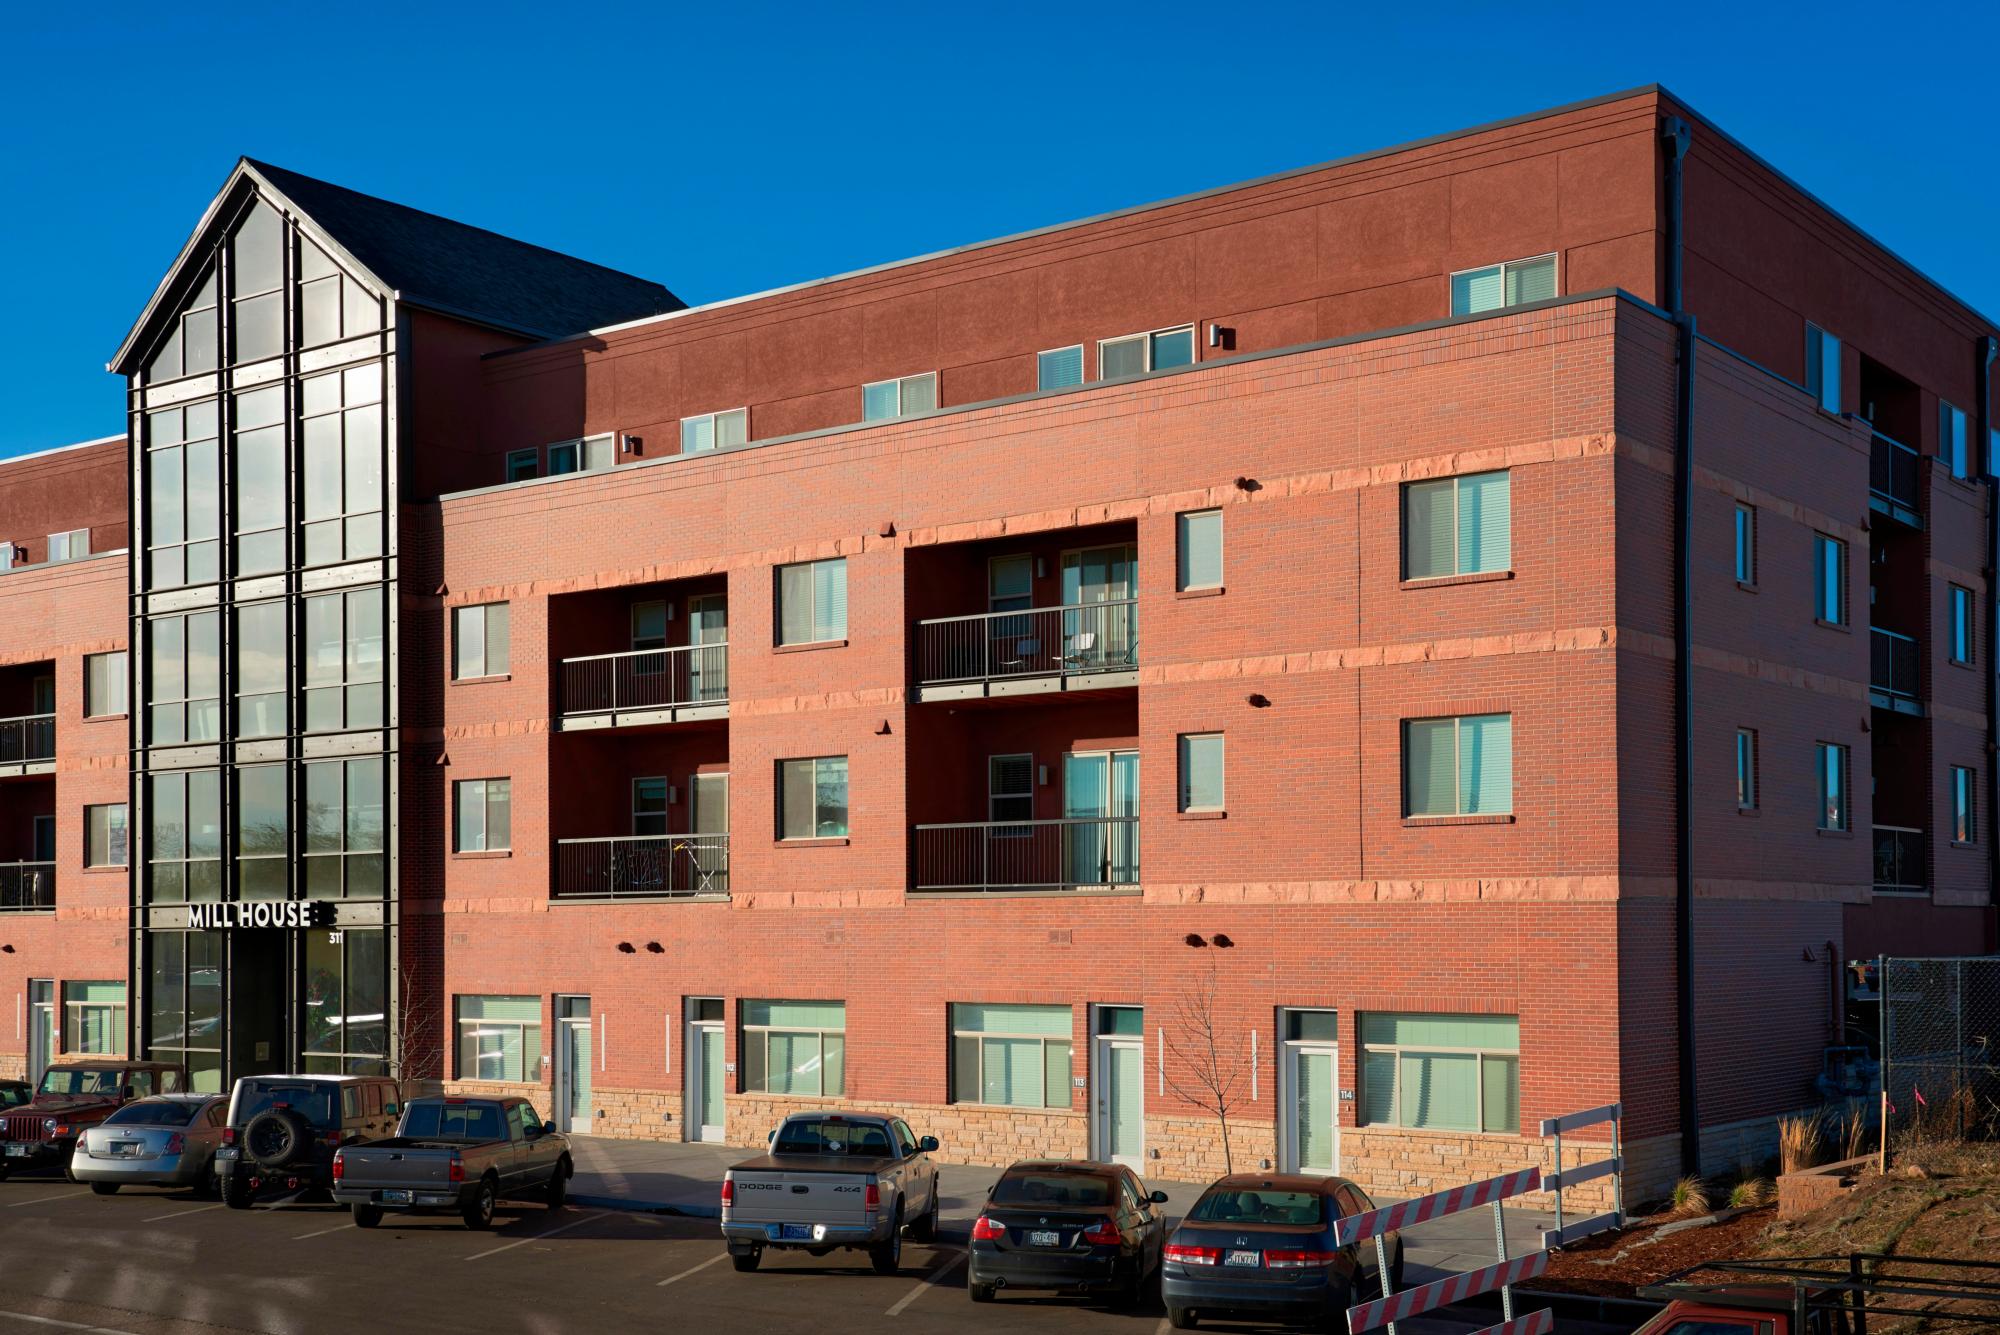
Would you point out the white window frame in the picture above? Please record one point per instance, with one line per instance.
(1479, 1079)
(74, 545)
(1221, 778)
(1081, 379)
(6, 554)
(762, 1034)
(1146, 337)
(714, 423)
(1745, 537)
(486, 667)
(115, 1021)
(979, 1037)
(531, 1067)
(1181, 529)
(901, 382)
(581, 449)
(1964, 805)
(1832, 757)
(110, 847)
(117, 682)
(1501, 267)
(533, 456)
(1746, 769)
(458, 843)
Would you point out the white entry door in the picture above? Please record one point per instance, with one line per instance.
(573, 1108)
(1310, 1075)
(41, 1027)
(707, 1076)
(1120, 1076)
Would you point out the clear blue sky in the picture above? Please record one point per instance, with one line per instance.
(721, 149)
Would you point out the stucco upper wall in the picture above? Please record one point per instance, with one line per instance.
(60, 490)
(1344, 250)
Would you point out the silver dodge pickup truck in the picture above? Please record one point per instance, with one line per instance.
(833, 1180)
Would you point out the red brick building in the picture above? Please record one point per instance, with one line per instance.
(956, 685)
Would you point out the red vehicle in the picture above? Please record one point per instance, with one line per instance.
(42, 1133)
(1824, 1295)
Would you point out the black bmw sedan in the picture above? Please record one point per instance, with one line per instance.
(1262, 1247)
(1059, 1224)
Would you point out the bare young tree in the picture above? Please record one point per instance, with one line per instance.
(419, 1040)
(1205, 1068)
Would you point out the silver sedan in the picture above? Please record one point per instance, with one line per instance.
(165, 1141)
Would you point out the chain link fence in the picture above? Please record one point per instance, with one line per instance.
(1941, 1049)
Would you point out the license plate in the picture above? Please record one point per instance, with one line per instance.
(395, 1198)
(1243, 1258)
(1045, 1238)
(795, 1231)
(17, 1151)
(127, 1147)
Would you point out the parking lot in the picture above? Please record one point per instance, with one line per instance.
(149, 1262)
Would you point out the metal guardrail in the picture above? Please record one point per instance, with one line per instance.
(1032, 642)
(645, 866)
(1899, 860)
(688, 674)
(999, 856)
(29, 737)
(27, 887)
(1893, 471)
(1893, 664)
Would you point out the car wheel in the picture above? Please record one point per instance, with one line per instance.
(1182, 1318)
(887, 1256)
(926, 1227)
(558, 1191)
(105, 1188)
(235, 1193)
(478, 1212)
(367, 1216)
(982, 1293)
(745, 1262)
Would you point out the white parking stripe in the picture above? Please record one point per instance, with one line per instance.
(61, 1325)
(1164, 1327)
(675, 1279)
(199, 1209)
(957, 1259)
(549, 1233)
(323, 1232)
(42, 1200)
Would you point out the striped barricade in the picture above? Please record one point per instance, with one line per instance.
(1444, 1292)
(1534, 1323)
(1356, 1228)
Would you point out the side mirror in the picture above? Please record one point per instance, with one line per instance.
(1158, 1198)
(928, 1145)
(770, 1137)
(548, 1128)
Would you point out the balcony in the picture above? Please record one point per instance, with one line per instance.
(1893, 481)
(1036, 856)
(644, 686)
(1899, 860)
(1032, 651)
(28, 745)
(1893, 671)
(27, 887)
(647, 866)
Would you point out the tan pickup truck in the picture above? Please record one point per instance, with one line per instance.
(833, 1180)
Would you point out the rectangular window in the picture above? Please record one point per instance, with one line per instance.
(1136, 354)
(1457, 526)
(812, 798)
(263, 832)
(1829, 579)
(812, 601)
(184, 837)
(1010, 789)
(1011, 1056)
(1746, 543)
(1830, 760)
(1199, 535)
(344, 660)
(480, 641)
(261, 677)
(1441, 1072)
(1010, 584)
(500, 1038)
(182, 509)
(592, 454)
(1746, 769)
(1201, 771)
(104, 835)
(1823, 368)
(1059, 368)
(795, 1047)
(649, 806)
(1962, 627)
(1458, 766)
(485, 815)
(1496, 286)
(340, 442)
(344, 829)
(715, 431)
(94, 1018)
(899, 398)
(1953, 447)
(523, 464)
(71, 546)
(6, 554)
(104, 684)
(184, 678)
(1964, 791)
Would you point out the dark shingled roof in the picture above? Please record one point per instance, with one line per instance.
(469, 271)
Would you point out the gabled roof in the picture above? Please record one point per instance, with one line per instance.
(436, 263)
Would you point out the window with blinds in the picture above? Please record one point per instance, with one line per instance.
(499, 1038)
(715, 431)
(795, 1047)
(812, 601)
(1059, 368)
(1514, 283)
(1458, 526)
(900, 397)
(1201, 771)
(1199, 539)
(1136, 354)
(1441, 1072)
(94, 1018)
(1010, 790)
(1013, 1056)
(812, 798)
(1460, 766)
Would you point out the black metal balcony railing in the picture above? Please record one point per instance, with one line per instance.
(30, 737)
(1892, 479)
(1899, 860)
(1893, 666)
(644, 866)
(690, 674)
(1082, 854)
(1032, 642)
(27, 887)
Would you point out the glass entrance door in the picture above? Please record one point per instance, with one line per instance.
(1312, 1061)
(573, 1064)
(708, 631)
(709, 817)
(1101, 795)
(707, 1078)
(1100, 628)
(41, 1027)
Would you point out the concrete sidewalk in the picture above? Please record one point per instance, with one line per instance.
(674, 1177)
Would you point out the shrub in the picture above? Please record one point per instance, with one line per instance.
(1800, 1140)
(1750, 1193)
(1690, 1197)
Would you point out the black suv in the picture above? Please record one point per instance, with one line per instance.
(283, 1130)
